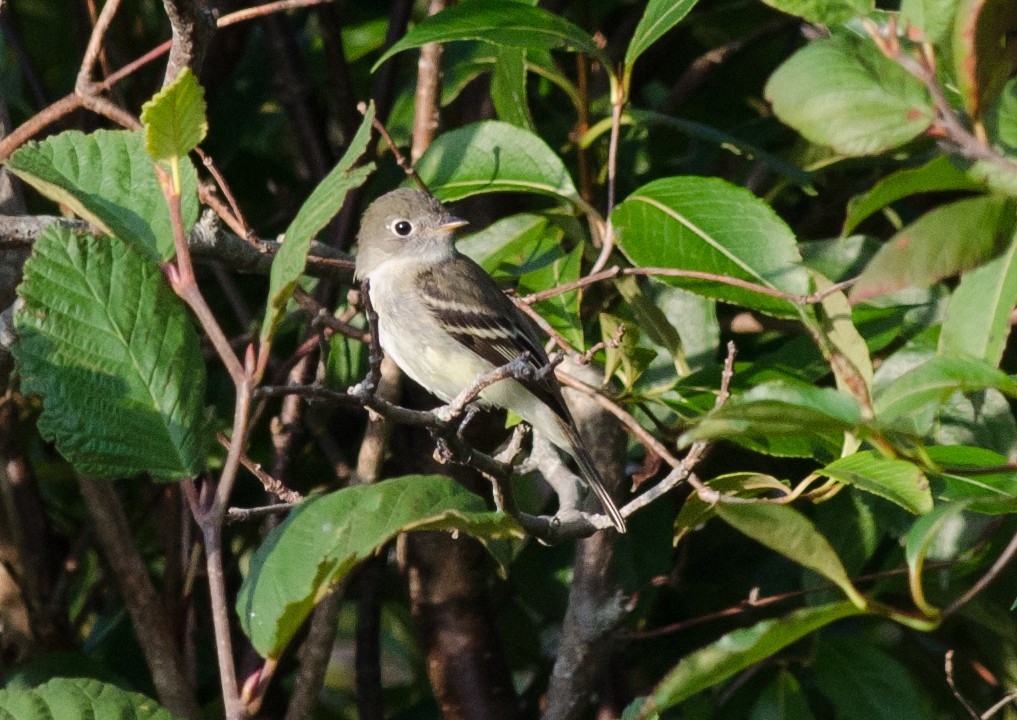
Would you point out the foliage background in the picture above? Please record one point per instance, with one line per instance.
(876, 438)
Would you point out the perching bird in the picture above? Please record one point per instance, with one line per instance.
(444, 321)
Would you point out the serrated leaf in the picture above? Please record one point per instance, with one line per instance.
(493, 156)
(737, 651)
(174, 119)
(898, 481)
(786, 531)
(911, 401)
(111, 350)
(939, 175)
(864, 683)
(326, 536)
(984, 50)
(814, 416)
(500, 22)
(943, 242)
(977, 321)
(659, 17)
(320, 207)
(108, 179)
(824, 12)
(78, 699)
(850, 97)
(708, 225)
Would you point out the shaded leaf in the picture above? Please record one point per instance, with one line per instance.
(864, 683)
(174, 118)
(939, 175)
(493, 156)
(964, 477)
(918, 541)
(984, 50)
(110, 348)
(659, 17)
(896, 480)
(78, 699)
(326, 536)
(501, 22)
(943, 242)
(107, 178)
(977, 318)
(508, 87)
(786, 531)
(783, 699)
(911, 401)
(927, 20)
(824, 12)
(738, 650)
(562, 310)
(708, 225)
(850, 97)
(322, 205)
(696, 511)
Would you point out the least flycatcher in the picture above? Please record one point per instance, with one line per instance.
(444, 321)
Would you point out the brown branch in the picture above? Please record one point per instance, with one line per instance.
(148, 615)
(192, 25)
(83, 85)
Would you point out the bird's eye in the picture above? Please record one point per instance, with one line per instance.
(403, 227)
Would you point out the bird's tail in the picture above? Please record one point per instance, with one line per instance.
(593, 478)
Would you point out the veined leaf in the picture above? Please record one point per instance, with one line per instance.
(324, 202)
(501, 22)
(659, 17)
(107, 178)
(78, 699)
(708, 225)
(942, 242)
(326, 536)
(849, 97)
(899, 481)
(738, 650)
(824, 12)
(786, 531)
(174, 118)
(493, 156)
(110, 348)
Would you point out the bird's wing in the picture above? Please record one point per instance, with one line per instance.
(488, 323)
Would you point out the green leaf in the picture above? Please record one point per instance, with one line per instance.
(850, 97)
(898, 481)
(927, 20)
(939, 175)
(695, 510)
(626, 358)
(977, 321)
(324, 202)
(659, 17)
(783, 699)
(815, 416)
(964, 478)
(108, 179)
(174, 118)
(1000, 122)
(850, 361)
(911, 401)
(708, 225)
(514, 245)
(786, 531)
(493, 156)
(561, 311)
(737, 651)
(326, 536)
(824, 12)
(508, 88)
(111, 350)
(654, 321)
(943, 242)
(984, 54)
(78, 699)
(501, 22)
(864, 683)
(919, 539)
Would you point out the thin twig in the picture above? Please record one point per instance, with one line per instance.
(400, 159)
(948, 670)
(271, 484)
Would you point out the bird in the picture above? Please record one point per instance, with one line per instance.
(444, 321)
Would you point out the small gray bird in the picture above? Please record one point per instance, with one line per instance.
(444, 321)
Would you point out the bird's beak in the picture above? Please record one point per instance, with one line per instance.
(453, 223)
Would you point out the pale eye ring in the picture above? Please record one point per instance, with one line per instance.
(402, 227)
